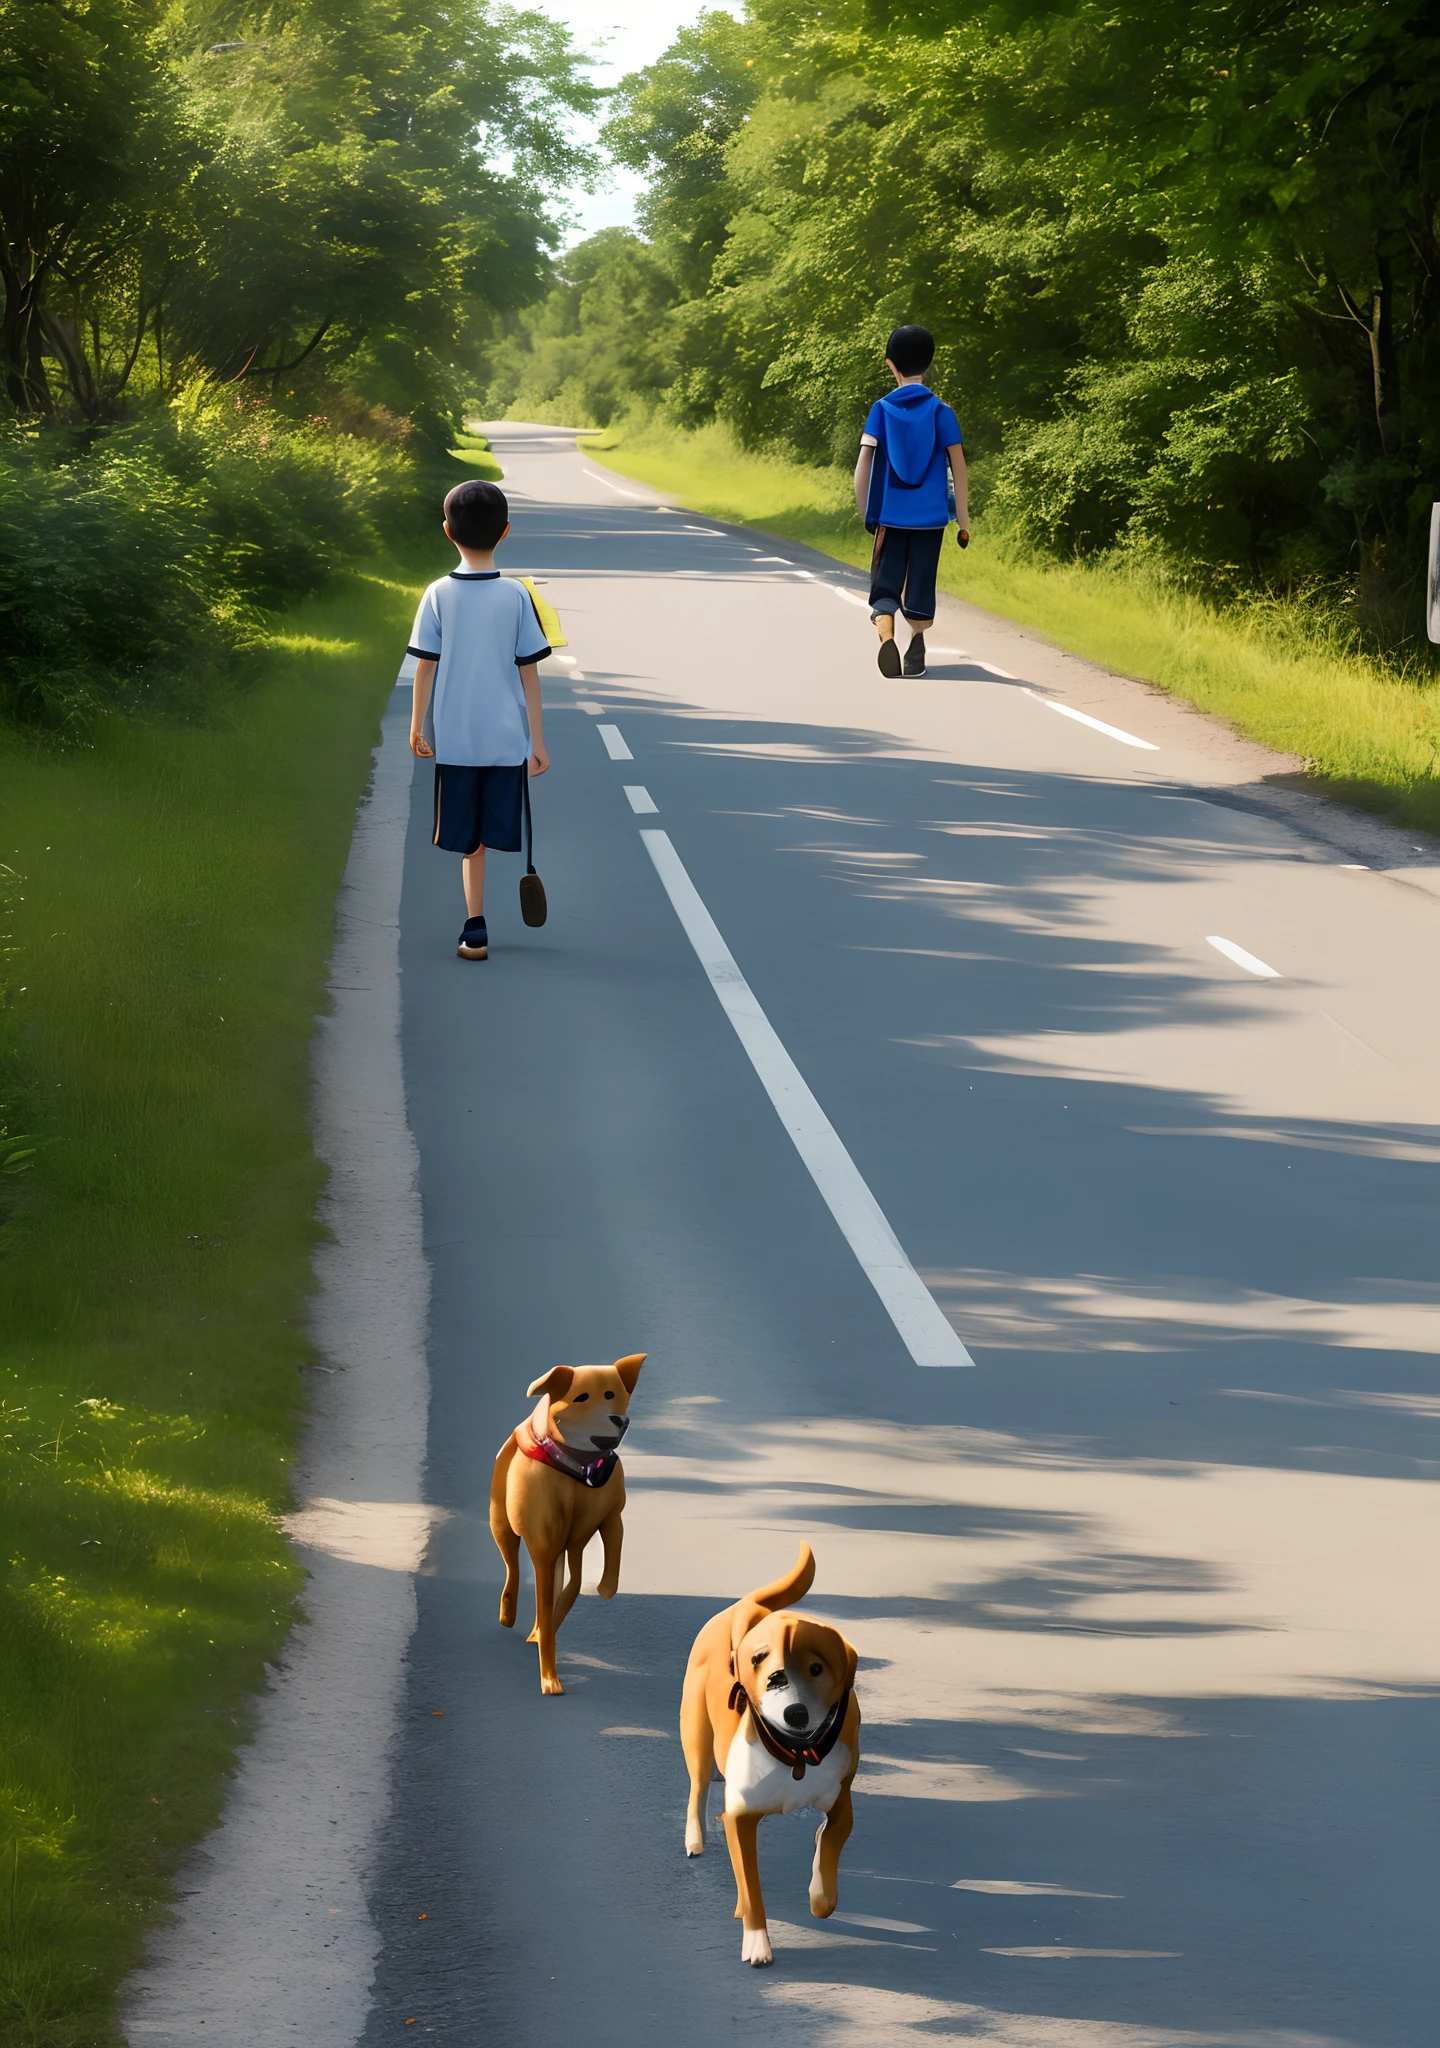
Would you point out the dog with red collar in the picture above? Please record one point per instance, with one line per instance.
(558, 1481)
(770, 1697)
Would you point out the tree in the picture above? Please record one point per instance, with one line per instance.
(90, 137)
(313, 186)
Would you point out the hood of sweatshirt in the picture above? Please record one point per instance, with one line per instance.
(910, 431)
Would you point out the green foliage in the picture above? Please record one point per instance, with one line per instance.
(674, 122)
(1286, 674)
(172, 906)
(133, 561)
(246, 263)
(1182, 264)
(299, 188)
(597, 344)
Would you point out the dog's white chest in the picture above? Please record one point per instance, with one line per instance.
(756, 1783)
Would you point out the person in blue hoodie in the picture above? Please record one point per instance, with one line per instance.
(909, 451)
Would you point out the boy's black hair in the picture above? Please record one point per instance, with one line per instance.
(911, 350)
(476, 514)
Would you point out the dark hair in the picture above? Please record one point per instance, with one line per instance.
(476, 514)
(911, 350)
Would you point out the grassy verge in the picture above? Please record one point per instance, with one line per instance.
(472, 453)
(1368, 734)
(170, 912)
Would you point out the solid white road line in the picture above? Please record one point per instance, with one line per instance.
(776, 558)
(641, 800)
(850, 596)
(1126, 739)
(1243, 959)
(615, 747)
(708, 530)
(911, 1307)
(620, 488)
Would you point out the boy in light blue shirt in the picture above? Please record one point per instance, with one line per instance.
(902, 492)
(477, 643)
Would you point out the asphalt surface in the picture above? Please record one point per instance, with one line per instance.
(1146, 1601)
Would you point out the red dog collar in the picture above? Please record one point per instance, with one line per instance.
(547, 1450)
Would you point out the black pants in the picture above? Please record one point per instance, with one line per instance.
(902, 571)
(477, 807)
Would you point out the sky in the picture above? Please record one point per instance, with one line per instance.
(634, 33)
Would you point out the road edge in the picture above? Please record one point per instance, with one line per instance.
(272, 1939)
(1267, 783)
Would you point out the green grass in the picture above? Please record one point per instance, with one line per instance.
(170, 909)
(472, 452)
(1369, 734)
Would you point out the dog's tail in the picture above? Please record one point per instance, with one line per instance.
(770, 1599)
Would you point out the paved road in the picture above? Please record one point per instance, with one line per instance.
(1146, 1600)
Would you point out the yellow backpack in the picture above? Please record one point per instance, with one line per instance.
(547, 615)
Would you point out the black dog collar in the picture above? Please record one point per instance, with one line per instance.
(797, 1750)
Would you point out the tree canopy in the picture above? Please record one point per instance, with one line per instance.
(1180, 260)
(236, 191)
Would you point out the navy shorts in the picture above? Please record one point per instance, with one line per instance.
(902, 570)
(477, 807)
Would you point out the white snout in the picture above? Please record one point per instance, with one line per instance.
(792, 1693)
(592, 1435)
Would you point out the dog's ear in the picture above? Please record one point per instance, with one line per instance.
(852, 1660)
(557, 1381)
(745, 1615)
(629, 1369)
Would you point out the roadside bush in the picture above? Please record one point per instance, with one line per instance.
(285, 503)
(135, 560)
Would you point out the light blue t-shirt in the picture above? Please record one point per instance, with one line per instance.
(909, 483)
(480, 627)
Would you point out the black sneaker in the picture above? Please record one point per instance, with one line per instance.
(888, 660)
(474, 941)
(915, 656)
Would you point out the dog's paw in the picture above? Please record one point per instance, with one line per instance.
(608, 1588)
(694, 1838)
(534, 1635)
(551, 1685)
(822, 1907)
(755, 1949)
(507, 1614)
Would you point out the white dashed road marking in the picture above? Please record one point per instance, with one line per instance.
(911, 1307)
(1126, 739)
(1243, 959)
(641, 800)
(615, 747)
(618, 488)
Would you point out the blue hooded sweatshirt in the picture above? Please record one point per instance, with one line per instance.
(909, 481)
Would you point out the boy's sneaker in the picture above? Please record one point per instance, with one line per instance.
(474, 941)
(888, 660)
(915, 656)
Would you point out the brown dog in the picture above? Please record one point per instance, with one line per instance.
(770, 1697)
(558, 1481)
